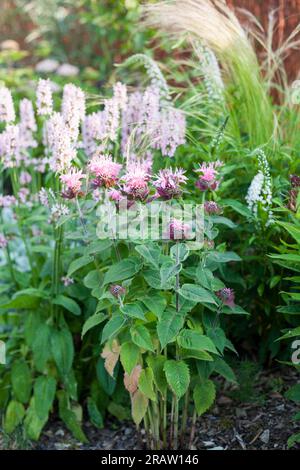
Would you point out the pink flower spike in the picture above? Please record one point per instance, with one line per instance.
(72, 181)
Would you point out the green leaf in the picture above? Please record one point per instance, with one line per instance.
(13, 416)
(218, 337)
(41, 348)
(204, 396)
(196, 294)
(178, 377)
(98, 246)
(156, 303)
(122, 270)
(292, 309)
(156, 363)
(146, 383)
(118, 411)
(21, 381)
(44, 393)
(168, 271)
(62, 350)
(291, 257)
(292, 229)
(216, 219)
(92, 279)
(294, 439)
(69, 417)
(152, 277)
(129, 356)
(222, 368)
(204, 277)
(68, 304)
(293, 393)
(133, 311)
(139, 405)
(112, 327)
(219, 257)
(291, 334)
(33, 425)
(169, 326)
(23, 302)
(190, 339)
(235, 310)
(238, 207)
(150, 253)
(107, 382)
(141, 337)
(193, 353)
(79, 263)
(179, 250)
(92, 321)
(94, 413)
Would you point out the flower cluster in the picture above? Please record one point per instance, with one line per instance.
(293, 193)
(72, 182)
(168, 183)
(7, 110)
(227, 296)
(208, 176)
(44, 100)
(178, 230)
(136, 183)
(212, 208)
(105, 170)
(146, 118)
(259, 195)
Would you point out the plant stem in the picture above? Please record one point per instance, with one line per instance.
(56, 275)
(172, 422)
(176, 420)
(177, 277)
(193, 429)
(184, 417)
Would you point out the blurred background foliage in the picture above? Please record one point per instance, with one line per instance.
(87, 33)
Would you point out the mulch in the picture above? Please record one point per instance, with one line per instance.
(264, 423)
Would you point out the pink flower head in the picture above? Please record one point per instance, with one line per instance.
(208, 176)
(72, 181)
(105, 170)
(136, 182)
(25, 178)
(115, 195)
(117, 290)
(168, 183)
(7, 201)
(211, 207)
(227, 296)
(178, 230)
(23, 195)
(3, 241)
(295, 181)
(67, 281)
